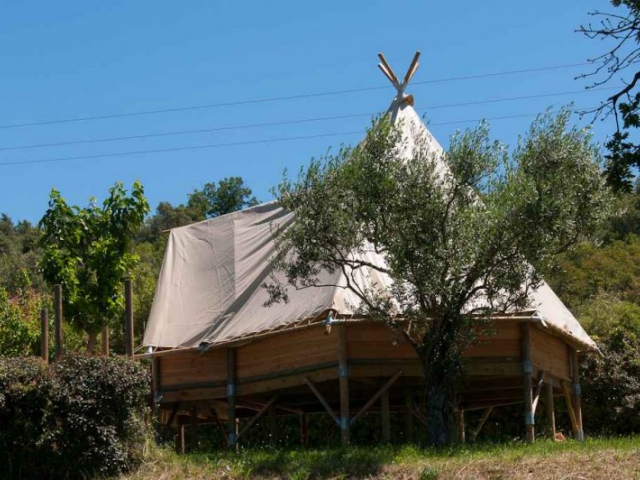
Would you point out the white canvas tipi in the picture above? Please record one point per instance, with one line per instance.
(209, 290)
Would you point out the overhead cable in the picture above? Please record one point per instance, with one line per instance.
(230, 144)
(283, 98)
(286, 122)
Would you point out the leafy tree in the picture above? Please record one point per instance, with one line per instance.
(591, 270)
(19, 325)
(621, 28)
(166, 217)
(612, 382)
(453, 259)
(228, 196)
(19, 254)
(88, 251)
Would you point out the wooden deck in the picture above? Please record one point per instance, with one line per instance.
(359, 366)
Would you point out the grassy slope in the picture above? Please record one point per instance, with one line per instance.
(596, 458)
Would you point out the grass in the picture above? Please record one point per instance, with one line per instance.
(595, 458)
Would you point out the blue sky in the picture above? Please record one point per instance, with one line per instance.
(65, 60)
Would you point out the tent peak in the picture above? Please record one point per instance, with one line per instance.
(388, 72)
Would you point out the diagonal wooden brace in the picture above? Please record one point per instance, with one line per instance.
(483, 420)
(377, 395)
(257, 416)
(322, 400)
(540, 382)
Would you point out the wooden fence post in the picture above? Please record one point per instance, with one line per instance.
(128, 317)
(156, 394)
(105, 341)
(44, 335)
(57, 305)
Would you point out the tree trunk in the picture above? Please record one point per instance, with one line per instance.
(439, 415)
(440, 355)
(91, 343)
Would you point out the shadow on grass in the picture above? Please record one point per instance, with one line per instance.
(356, 462)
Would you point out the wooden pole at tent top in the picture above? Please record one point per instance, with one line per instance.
(388, 72)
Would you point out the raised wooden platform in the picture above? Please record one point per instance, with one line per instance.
(357, 366)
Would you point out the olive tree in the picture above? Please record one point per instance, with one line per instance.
(458, 242)
(88, 251)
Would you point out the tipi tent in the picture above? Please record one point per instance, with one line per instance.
(209, 328)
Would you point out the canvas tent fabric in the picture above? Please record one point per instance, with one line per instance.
(210, 290)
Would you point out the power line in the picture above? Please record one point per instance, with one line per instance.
(289, 122)
(283, 98)
(229, 144)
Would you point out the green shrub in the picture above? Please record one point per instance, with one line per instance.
(24, 392)
(611, 386)
(84, 416)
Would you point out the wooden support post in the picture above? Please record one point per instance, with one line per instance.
(44, 335)
(343, 371)
(385, 416)
(193, 434)
(575, 393)
(462, 438)
(527, 369)
(572, 415)
(231, 399)
(483, 420)
(408, 419)
(181, 440)
(272, 423)
(551, 415)
(105, 341)
(57, 305)
(304, 428)
(156, 395)
(128, 317)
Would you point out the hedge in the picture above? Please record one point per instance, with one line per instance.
(81, 417)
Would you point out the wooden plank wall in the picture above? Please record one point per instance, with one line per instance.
(376, 341)
(502, 340)
(369, 346)
(550, 353)
(286, 352)
(193, 367)
(369, 341)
